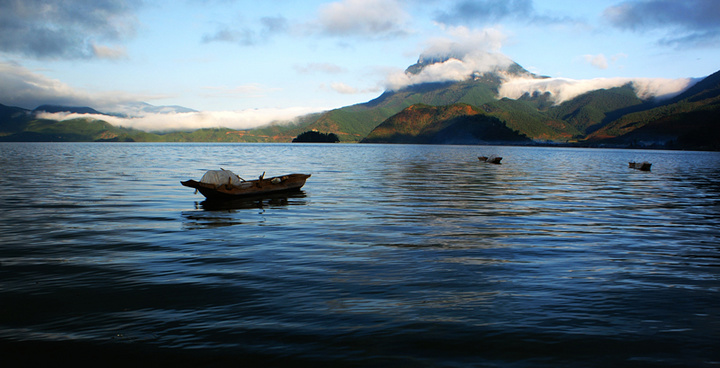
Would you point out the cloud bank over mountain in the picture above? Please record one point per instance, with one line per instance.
(24, 88)
(564, 89)
(187, 121)
(472, 53)
(560, 89)
(228, 57)
(467, 51)
(451, 70)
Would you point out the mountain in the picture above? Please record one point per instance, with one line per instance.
(354, 122)
(590, 111)
(468, 111)
(129, 109)
(73, 130)
(689, 121)
(22, 125)
(70, 109)
(707, 88)
(536, 116)
(132, 109)
(13, 119)
(603, 117)
(450, 124)
(94, 130)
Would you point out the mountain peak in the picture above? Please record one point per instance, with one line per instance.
(135, 109)
(458, 67)
(475, 63)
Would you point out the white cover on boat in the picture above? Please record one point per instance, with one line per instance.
(219, 177)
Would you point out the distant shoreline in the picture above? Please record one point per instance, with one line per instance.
(537, 144)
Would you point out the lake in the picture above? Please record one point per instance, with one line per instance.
(391, 255)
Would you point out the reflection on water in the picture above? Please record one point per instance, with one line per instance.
(218, 213)
(391, 255)
(257, 202)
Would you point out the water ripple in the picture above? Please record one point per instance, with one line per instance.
(391, 255)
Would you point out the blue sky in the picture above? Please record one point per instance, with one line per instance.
(244, 63)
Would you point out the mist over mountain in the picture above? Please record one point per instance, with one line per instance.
(137, 109)
(457, 67)
(617, 112)
(545, 109)
(127, 109)
(691, 120)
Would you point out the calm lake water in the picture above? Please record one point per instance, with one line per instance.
(391, 255)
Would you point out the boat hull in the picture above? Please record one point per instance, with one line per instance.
(644, 166)
(250, 188)
(491, 160)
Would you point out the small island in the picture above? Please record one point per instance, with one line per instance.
(313, 136)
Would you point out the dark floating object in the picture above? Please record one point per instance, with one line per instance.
(644, 166)
(225, 185)
(491, 159)
(254, 202)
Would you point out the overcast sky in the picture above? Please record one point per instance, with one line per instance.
(245, 62)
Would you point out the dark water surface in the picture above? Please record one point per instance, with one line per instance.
(392, 255)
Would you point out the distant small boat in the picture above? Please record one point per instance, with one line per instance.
(224, 185)
(644, 166)
(491, 159)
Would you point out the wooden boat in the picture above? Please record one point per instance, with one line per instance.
(491, 159)
(236, 187)
(644, 166)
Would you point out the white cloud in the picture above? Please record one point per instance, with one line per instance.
(452, 70)
(346, 89)
(343, 88)
(21, 87)
(599, 61)
(470, 51)
(375, 18)
(244, 119)
(106, 52)
(463, 40)
(563, 89)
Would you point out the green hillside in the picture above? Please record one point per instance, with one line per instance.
(591, 110)
(74, 130)
(352, 123)
(13, 119)
(525, 117)
(690, 121)
(450, 124)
